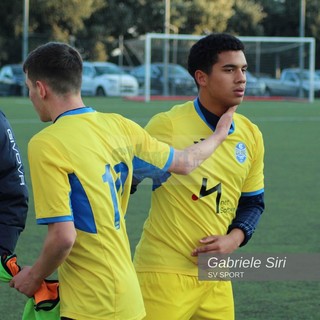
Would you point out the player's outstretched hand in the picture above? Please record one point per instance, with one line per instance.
(224, 124)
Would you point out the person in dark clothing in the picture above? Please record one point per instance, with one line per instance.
(13, 189)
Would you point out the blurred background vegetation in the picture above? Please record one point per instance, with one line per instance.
(99, 27)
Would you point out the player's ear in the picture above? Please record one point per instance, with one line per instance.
(41, 88)
(201, 78)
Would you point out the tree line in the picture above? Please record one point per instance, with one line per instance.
(95, 26)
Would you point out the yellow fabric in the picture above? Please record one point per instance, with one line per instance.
(180, 297)
(184, 209)
(81, 171)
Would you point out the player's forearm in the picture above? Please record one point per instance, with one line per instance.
(186, 160)
(57, 246)
(56, 249)
(49, 260)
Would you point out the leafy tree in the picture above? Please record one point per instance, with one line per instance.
(59, 19)
(283, 19)
(105, 26)
(275, 14)
(48, 20)
(10, 31)
(132, 18)
(247, 18)
(201, 16)
(95, 26)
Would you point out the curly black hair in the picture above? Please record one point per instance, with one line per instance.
(204, 53)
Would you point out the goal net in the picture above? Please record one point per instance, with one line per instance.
(279, 67)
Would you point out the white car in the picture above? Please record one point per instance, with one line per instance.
(107, 79)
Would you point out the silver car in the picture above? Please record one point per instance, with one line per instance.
(254, 86)
(107, 79)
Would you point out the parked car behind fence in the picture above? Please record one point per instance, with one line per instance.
(107, 79)
(254, 86)
(11, 80)
(292, 82)
(179, 80)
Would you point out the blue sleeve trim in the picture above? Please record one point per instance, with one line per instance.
(253, 193)
(169, 161)
(55, 219)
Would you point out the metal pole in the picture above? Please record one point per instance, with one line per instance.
(166, 49)
(174, 55)
(25, 46)
(312, 55)
(120, 60)
(302, 17)
(147, 50)
(301, 48)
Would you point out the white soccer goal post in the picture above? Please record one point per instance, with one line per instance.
(267, 57)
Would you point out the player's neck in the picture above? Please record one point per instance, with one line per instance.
(65, 103)
(212, 106)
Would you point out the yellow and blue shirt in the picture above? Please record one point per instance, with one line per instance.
(81, 170)
(185, 209)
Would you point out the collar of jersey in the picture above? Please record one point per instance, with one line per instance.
(208, 117)
(75, 111)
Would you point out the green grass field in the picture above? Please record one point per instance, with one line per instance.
(290, 223)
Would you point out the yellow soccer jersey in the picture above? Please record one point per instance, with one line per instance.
(185, 209)
(81, 169)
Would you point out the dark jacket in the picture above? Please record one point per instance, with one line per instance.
(13, 189)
